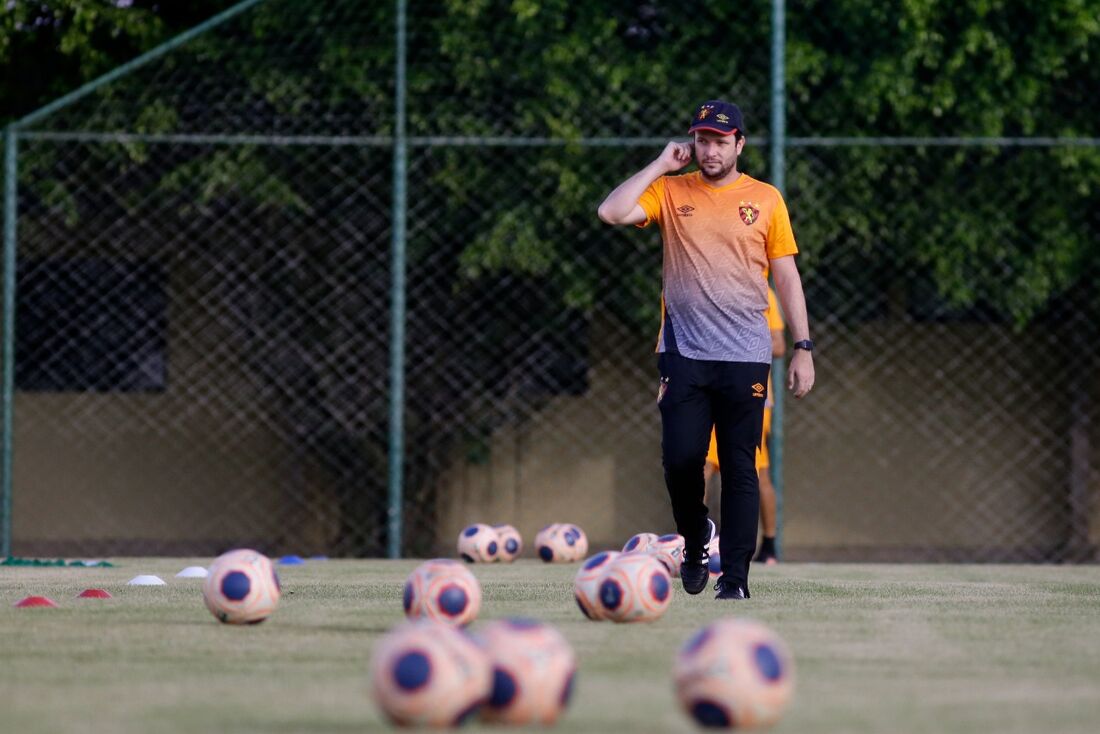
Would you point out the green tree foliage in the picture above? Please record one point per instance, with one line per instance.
(50, 47)
(1002, 226)
(1008, 228)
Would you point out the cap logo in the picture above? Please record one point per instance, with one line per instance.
(723, 118)
(704, 111)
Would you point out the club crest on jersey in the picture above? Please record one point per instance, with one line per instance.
(685, 210)
(749, 212)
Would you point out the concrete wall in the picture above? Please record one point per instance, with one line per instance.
(933, 441)
(956, 442)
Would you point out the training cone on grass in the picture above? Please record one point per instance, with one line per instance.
(94, 594)
(146, 580)
(193, 572)
(291, 561)
(35, 601)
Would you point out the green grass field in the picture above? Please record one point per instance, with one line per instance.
(879, 648)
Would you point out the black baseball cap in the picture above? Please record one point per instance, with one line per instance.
(719, 117)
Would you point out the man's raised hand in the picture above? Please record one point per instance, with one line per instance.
(675, 156)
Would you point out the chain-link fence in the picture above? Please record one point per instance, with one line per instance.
(205, 286)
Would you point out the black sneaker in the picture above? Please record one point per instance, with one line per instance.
(729, 590)
(695, 572)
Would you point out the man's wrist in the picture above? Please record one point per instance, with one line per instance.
(806, 345)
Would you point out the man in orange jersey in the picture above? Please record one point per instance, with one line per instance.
(722, 232)
(768, 519)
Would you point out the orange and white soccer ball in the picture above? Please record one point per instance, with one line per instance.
(714, 565)
(734, 673)
(576, 539)
(634, 588)
(429, 674)
(442, 590)
(669, 550)
(552, 546)
(586, 585)
(241, 587)
(639, 543)
(533, 672)
(478, 543)
(509, 543)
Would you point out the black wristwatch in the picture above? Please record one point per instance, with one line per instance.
(806, 344)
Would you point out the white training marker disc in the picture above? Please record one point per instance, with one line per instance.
(145, 581)
(193, 572)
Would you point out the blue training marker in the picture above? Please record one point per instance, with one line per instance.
(291, 561)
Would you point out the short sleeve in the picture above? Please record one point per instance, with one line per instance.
(773, 314)
(650, 201)
(780, 235)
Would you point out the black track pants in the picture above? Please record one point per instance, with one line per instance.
(695, 395)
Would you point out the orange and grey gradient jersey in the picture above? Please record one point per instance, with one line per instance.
(717, 247)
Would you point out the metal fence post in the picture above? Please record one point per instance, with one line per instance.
(778, 143)
(7, 380)
(397, 316)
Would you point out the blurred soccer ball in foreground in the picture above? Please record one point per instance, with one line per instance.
(442, 590)
(509, 543)
(478, 543)
(586, 585)
(533, 671)
(241, 587)
(635, 588)
(734, 673)
(426, 673)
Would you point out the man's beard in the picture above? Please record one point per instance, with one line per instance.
(722, 172)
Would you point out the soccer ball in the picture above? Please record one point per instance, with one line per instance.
(442, 590)
(669, 550)
(639, 543)
(715, 565)
(553, 546)
(241, 587)
(576, 540)
(425, 673)
(586, 585)
(734, 673)
(634, 588)
(510, 543)
(533, 672)
(478, 543)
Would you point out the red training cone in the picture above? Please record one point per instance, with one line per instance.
(94, 594)
(36, 601)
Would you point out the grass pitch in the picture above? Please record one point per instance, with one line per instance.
(879, 648)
